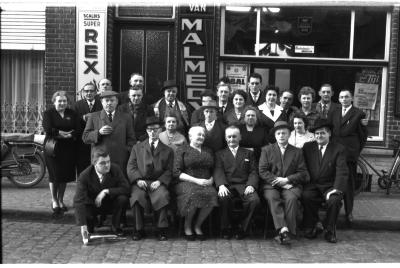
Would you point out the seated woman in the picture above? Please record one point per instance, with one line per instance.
(300, 135)
(193, 167)
(254, 134)
(235, 116)
(171, 137)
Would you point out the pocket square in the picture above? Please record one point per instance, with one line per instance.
(246, 160)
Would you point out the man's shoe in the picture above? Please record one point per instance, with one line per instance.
(240, 234)
(200, 237)
(118, 231)
(137, 235)
(225, 234)
(330, 236)
(162, 236)
(314, 232)
(191, 237)
(283, 238)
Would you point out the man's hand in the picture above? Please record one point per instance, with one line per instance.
(85, 234)
(85, 117)
(100, 197)
(329, 194)
(280, 181)
(106, 130)
(249, 190)
(142, 184)
(203, 182)
(65, 134)
(364, 122)
(154, 185)
(223, 191)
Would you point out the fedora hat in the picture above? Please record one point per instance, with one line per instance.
(280, 125)
(320, 123)
(211, 104)
(108, 93)
(153, 120)
(169, 83)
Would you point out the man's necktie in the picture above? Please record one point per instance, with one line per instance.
(343, 112)
(152, 147)
(170, 105)
(90, 106)
(320, 153)
(324, 110)
(110, 117)
(222, 109)
(272, 112)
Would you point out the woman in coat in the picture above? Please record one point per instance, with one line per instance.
(62, 124)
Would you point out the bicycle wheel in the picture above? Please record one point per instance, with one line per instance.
(361, 182)
(29, 172)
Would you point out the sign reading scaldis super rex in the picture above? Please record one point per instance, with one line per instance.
(196, 47)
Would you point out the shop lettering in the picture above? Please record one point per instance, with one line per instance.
(197, 7)
(91, 51)
(194, 64)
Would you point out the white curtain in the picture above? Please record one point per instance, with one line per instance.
(22, 90)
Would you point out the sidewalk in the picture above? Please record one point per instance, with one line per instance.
(375, 211)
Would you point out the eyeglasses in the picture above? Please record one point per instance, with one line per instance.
(89, 91)
(153, 129)
(254, 83)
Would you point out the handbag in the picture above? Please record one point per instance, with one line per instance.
(50, 147)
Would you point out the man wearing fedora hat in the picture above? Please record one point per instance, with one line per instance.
(326, 163)
(171, 104)
(283, 172)
(111, 129)
(150, 172)
(215, 128)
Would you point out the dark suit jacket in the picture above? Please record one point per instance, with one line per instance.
(333, 172)
(250, 101)
(293, 165)
(142, 165)
(119, 143)
(239, 170)
(318, 107)
(81, 107)
(88, 187)
(139, 122)
(349, 131)
(215, 139)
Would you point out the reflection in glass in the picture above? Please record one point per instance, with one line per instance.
(240, 32)
(369, 34)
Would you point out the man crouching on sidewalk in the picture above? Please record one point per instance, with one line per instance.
(101, 189)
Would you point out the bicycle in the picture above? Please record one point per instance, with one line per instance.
(386, 179)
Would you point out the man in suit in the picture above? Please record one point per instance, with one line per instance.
(101, 189)
(88, 104)
(236, 176)
(111, 129)
(326, 163)
(286, 100)
(198, 115)
(349, 129)
(283, 172)
(169, 103)
(223, 91)
(325, 105)
(215, 128)
(255, 96)
(150, 172)
(138, 110)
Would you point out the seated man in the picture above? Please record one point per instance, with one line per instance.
(283, 171)
(236, 176)
(150, 172)
(326, 162)
(101, 189)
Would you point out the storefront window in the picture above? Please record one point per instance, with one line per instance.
(240, 31)
(369, 34)
(305, 32)
(22, 88)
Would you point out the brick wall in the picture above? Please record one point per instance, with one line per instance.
(393, 123)
(110, 31)
(60, 56)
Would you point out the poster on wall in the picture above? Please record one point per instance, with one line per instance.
(237, 74)
(91, 46)
(366, 89)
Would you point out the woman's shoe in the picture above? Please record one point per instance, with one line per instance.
(191, 237)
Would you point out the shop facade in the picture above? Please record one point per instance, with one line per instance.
(290, 46)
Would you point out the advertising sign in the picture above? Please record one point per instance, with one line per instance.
(366, 89)
(91, 45)
(237, 74)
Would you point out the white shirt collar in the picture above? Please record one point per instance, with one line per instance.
(155, 143)
(100, 176)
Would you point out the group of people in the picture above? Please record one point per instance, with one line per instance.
(236, 147)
